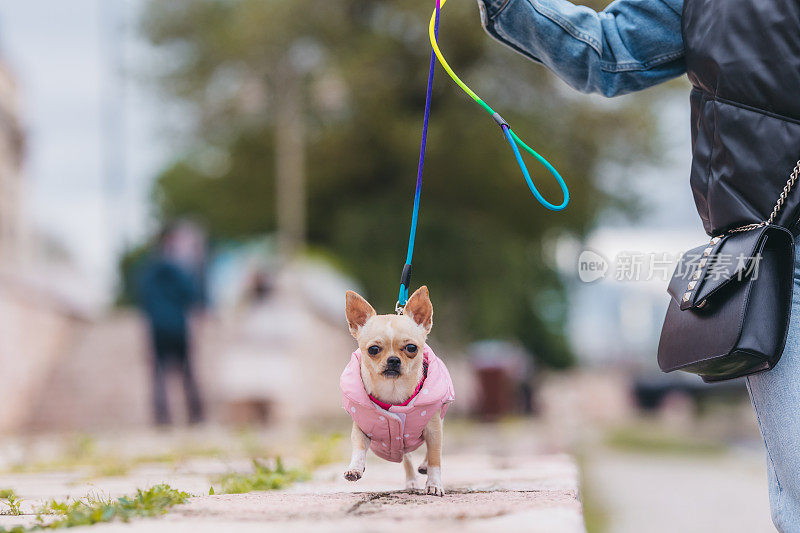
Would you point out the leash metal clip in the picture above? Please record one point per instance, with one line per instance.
(399, 308)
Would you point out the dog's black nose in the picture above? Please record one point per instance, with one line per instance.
(393, 361)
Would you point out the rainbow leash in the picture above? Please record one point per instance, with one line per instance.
(513, 140)
(405, 278)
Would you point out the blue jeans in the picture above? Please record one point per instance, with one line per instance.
(776, 399)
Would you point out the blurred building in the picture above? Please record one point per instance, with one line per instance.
(12, 146)
(36, 316)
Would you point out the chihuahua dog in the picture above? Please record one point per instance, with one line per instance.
(395, 388)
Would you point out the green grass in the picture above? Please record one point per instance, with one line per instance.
(322, 449)
(12, 501)
(94, 510)
(653, 441)
(263, 477)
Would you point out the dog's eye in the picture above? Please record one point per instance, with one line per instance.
(411, 348)
(374, 350)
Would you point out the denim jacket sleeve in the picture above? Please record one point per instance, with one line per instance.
(629, 46)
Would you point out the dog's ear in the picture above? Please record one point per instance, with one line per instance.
(420, 309)
(358, 311)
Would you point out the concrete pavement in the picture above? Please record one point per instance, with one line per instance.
(534, 494)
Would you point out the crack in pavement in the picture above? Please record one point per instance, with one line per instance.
(391, 497)
(371, 497)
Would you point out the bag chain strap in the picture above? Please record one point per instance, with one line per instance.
(698, 273)
(778, 205)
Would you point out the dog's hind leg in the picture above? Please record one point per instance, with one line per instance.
(411, 477)
(423, 466)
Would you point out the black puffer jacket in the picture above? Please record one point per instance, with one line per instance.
(743, 59)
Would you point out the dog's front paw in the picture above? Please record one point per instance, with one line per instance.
(353, 474)
(434, 485)
(434, 488)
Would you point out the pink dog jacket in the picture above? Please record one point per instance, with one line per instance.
(398, 429)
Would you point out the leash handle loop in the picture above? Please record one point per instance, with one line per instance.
(515, 142)
(513, 138)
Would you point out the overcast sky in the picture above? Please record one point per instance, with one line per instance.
(61, 54)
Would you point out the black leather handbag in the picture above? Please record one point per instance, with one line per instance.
(730, 303)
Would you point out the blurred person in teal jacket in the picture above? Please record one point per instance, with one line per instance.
(169, 290)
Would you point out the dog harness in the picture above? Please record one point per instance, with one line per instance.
(395, 430)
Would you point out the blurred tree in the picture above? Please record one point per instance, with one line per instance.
(358, 72)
